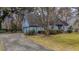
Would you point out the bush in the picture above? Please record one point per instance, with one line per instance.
(55, 31)
(60, 31)
(76, 30)
(50, 32)
(41, 32)
(14, 28)
(31, 32)
(70, 29)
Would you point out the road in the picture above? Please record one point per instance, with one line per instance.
(19, 42)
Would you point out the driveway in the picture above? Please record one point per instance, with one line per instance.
(18, 42)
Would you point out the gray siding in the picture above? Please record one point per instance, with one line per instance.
(36, 29)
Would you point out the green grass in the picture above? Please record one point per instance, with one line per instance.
(69, 39)
(58, 42)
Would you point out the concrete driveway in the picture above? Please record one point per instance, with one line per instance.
(18, 42)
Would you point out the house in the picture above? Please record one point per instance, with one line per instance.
(76, 26)
(59, 25)
(31, 22)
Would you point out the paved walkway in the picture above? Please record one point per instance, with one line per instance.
(18, 42)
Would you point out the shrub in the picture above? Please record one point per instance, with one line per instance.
(70, 29)
(41, 32)
(14, 28)
(55, 31)
(31, 32)
(76, 30)
(52, 32)
(60, 31)
(46, 32)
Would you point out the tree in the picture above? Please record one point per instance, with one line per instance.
(3, 14)
(46, 16)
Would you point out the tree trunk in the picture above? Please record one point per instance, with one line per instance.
(0, 25)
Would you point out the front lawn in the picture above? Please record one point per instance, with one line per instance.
(61, 42)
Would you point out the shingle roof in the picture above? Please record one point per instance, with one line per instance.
(35, 20)
(60, 22)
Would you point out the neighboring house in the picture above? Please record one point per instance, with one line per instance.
(60, 25)
(76, 25)
(74, 22)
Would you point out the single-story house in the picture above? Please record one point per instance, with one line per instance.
(31, 22)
